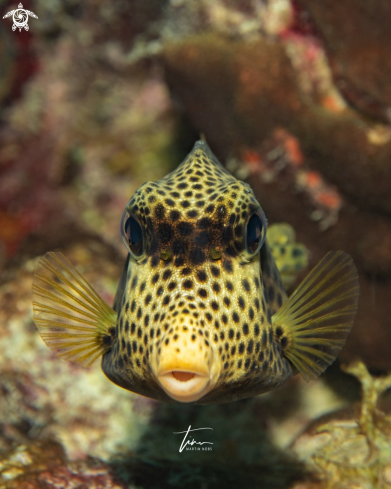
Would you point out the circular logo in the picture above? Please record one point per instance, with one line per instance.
(20, 18)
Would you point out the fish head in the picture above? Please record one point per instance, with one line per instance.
(192, 308)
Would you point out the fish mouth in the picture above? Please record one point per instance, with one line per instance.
(184, 385)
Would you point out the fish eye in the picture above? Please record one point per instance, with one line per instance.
(255, 234)
(132, 234)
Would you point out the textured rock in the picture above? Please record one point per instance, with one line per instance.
(357, 39)
(43, 465)
(351, 448)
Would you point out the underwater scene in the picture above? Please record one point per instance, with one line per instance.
(195, 244)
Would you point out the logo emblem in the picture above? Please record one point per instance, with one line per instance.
(188, 443)
(20, 18)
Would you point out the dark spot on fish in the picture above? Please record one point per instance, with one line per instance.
(175, 215)
(155, 278)
(197, 256)
(179, 261)
(201, 275)
(127, 326)
(205, 223)
(155, 261)
(202, 238)
(215, 271)
(227, 265)
(216, 287)
(279, 331)
(185, 228)
(246, 285)
(166, 274)
(187, 284)
(134, 282)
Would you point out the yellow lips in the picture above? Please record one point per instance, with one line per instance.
(183, 369)
(184, 390)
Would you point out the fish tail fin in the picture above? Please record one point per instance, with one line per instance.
(312, 326)
(73, 321)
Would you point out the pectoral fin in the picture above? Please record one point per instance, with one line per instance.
(71, 318)
(313, 324)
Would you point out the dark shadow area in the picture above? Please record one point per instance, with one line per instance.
(344, 385)
(242, 454)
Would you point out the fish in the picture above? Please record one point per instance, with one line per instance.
(290, 257)
(200, 315)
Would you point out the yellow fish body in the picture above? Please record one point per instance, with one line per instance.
(200, 315)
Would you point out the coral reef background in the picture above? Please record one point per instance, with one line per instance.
(100, 96)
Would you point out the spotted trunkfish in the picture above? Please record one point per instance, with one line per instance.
(200, 315)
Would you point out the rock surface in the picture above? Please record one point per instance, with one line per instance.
(43, 465)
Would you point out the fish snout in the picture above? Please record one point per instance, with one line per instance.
(184, 368)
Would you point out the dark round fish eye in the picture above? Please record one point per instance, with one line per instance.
(132, 234)
(254, 233)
